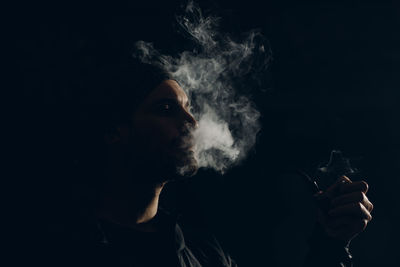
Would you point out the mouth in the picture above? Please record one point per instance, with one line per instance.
(184, 153)
(184, 144)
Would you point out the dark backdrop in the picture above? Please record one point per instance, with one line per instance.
(333, 84)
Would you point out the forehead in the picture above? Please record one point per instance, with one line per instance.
(167, 89)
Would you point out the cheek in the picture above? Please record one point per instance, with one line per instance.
(156, 133)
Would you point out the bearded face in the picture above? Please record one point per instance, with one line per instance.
(161, 140)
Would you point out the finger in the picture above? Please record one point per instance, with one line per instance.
(332, 190)
(349, 225)
(354, 186)
(353, 198)
(335, 223)
(346, 230)
(352, 209)
(345, 179)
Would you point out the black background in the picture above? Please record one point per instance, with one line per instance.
(333, 84)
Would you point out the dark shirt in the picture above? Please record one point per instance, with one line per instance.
(100, 243)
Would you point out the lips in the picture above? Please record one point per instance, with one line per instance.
(184, 143)
(184, 151)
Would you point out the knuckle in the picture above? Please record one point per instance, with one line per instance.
(371, 206)
(364, 185)
(368, 216)
(361, 197)
(363, 224)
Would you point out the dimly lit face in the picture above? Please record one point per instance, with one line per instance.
(162, 127)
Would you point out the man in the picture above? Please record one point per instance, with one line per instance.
(147, 135)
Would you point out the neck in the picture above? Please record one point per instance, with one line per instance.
(133, 207)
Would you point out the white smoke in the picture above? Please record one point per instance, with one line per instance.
(228, 122)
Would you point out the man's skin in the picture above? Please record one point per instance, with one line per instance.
(350, 210)
(144, 155)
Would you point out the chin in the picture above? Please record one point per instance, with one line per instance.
(187, 170)
(186, 166)
(172, 166)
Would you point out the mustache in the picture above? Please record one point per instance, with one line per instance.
(184, 140)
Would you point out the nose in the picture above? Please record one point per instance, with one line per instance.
(189, 120)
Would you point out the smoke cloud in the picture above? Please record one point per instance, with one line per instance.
(211, 74)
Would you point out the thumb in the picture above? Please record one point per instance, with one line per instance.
(333, 189)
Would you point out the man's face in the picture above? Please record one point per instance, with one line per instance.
(162, 127)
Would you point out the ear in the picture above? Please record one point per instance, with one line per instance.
(117, 134)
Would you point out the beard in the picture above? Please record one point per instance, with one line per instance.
(161, 166)
(183, 149)
(186, 164)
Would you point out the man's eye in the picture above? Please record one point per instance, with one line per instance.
(167, 108)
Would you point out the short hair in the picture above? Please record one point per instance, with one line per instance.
(125, 84)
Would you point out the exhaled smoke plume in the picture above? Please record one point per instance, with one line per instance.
(228, 122)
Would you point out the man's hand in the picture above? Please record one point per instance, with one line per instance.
(349, 210)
